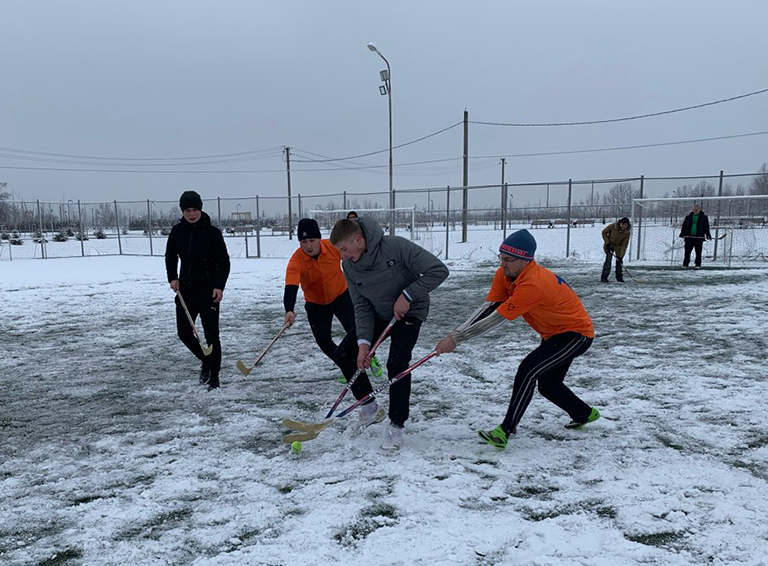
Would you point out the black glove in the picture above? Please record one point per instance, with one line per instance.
(619, 260)
(609, 249)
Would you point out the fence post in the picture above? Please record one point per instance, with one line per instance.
(258, 229)
(344, 205)
(504, 192)
(640, 217)
(717, 220)
(298, 201)
(43, 255)
(568, 219)
(117, 225)
(392, 214)
(82, 232)
(447, 213)
(149, 227)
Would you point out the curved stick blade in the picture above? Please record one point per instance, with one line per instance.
(245, 370)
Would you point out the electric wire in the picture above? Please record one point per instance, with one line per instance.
(270, 150)
(624, 119)
(374, 167)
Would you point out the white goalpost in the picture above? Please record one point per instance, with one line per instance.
(404, 217)
(738, 225)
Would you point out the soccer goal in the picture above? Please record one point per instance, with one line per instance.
(404, 218)
(738, 225)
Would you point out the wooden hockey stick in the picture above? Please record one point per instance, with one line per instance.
(246, 370)
(206, 348)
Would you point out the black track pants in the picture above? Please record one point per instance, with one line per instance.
(320, 319)
(402, 339)
(548, 365)
(209, 316)
(693, 244)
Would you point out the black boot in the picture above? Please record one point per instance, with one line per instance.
(213, 383)
(620, 279)
(205, 374)
(604, 280)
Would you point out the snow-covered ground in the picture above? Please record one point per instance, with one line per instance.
(111, 453)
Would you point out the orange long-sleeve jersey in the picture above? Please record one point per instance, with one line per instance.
(543, 299)
(321, 279)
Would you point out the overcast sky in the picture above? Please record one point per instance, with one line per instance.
(167, 79)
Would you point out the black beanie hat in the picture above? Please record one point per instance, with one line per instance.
(190, 199)
(308, 229)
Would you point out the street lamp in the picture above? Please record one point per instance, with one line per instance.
(386, 88)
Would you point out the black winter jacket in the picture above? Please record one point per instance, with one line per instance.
(702, 226)
(203, 254)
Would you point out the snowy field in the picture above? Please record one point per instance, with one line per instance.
(111, 454)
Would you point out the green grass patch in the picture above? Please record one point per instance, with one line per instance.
(62, 557)
(659, 540)
(370, 519)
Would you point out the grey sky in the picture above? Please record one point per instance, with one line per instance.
(152, 79)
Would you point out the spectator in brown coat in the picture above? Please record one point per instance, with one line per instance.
(615, 244)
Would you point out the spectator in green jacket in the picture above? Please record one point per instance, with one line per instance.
(615, 243)
(694, 230)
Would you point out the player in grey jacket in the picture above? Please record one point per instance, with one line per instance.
(388, 276)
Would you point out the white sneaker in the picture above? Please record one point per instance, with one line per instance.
(394, 440)
(370, 414)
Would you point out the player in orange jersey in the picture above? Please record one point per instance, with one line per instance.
(521, 287)
(316, 266)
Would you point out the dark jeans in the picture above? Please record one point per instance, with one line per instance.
(692, 243)
(209, 316)
(548, 365)
(320, 319)
(607, 268)
(402, 339)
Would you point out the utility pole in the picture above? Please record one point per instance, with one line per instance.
(288, 172)
(465, 204)
(639, 219)
(503, 198)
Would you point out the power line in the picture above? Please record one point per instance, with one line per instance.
(372, 167)
(624, 147)
(625, 119)
(379, 151)
(97, 163)
(275, 150)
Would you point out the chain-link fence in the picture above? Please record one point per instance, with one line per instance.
(439, 218)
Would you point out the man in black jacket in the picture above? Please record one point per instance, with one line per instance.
(201, 281)
(695, 229)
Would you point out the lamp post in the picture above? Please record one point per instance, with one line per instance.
(387, 89)
(69, 202)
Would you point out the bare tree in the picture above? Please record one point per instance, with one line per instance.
(759, 185)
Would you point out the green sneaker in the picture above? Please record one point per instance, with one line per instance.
(376, 367)
(593, 416)
(496, 437)
(341, 379)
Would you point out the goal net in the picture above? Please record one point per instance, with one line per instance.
(404, 218)
(738, 225)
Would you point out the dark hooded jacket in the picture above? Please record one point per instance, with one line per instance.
(702, 226)
(390, 265)
(203, 254)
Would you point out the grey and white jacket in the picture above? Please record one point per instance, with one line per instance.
(390, 265)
